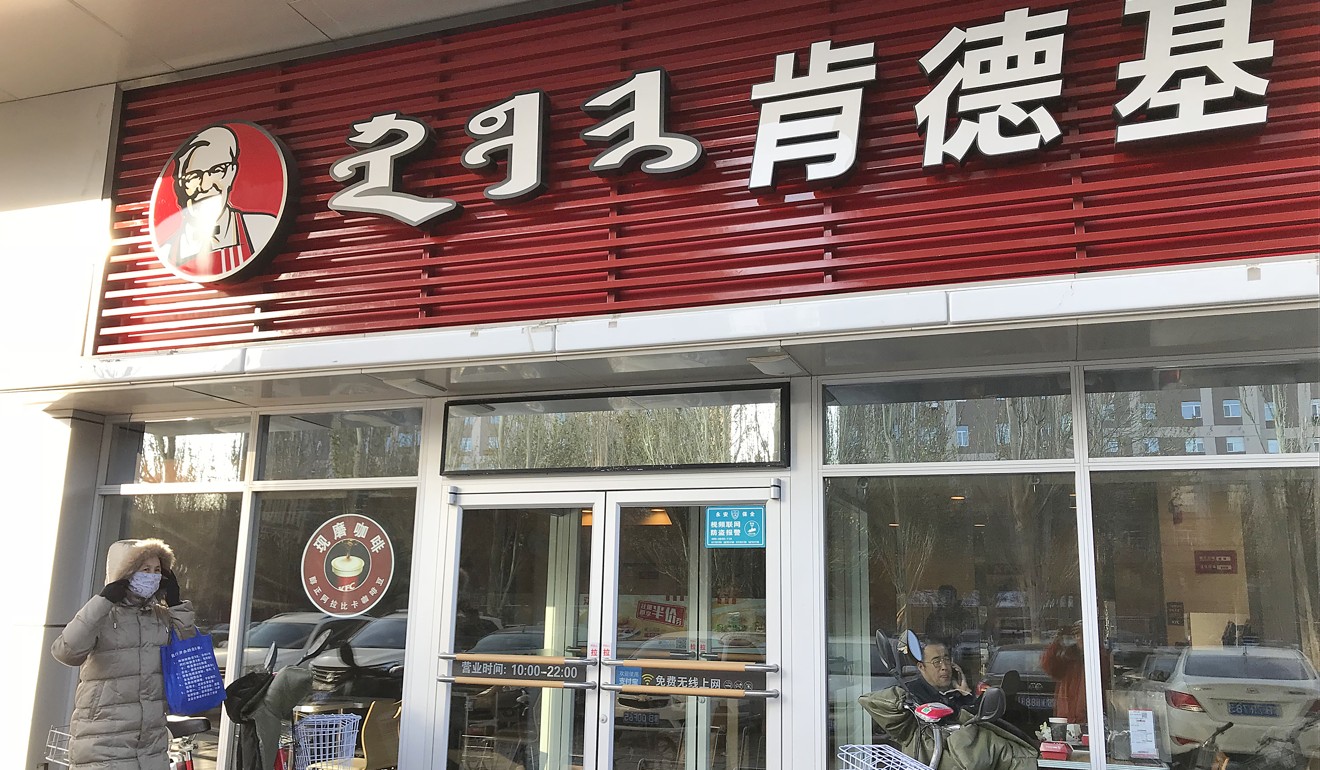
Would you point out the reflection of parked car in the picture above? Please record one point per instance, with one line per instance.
(1154, 670)
(1036, 693)
(1258, 689)
(294, 635)
(219, 634)
(377, 649)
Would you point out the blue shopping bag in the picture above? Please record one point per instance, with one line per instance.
(193, 684)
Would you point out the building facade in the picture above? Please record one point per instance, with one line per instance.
(608, 378)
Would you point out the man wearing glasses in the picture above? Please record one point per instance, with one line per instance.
(942, 681)
(215, 238)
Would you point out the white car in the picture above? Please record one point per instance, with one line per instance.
(1261, 690)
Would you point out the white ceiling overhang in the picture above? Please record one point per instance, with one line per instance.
(49, 46)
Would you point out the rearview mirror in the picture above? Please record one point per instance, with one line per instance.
(885, 653)
(913, 645)
(319, 641)
(991, 705)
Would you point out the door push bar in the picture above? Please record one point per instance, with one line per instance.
(693, 665)
(708, 692)
(552, 684)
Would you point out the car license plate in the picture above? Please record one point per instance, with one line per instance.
(1239, 709)
(645, 718)
(1037, 702)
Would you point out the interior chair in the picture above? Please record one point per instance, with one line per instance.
(380, 740)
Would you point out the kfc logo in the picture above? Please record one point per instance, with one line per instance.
(222, 203)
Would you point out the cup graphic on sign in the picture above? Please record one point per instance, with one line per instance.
(349, 566)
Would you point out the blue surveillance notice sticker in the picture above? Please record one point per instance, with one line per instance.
(740, 526)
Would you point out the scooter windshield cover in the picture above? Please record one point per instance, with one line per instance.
(933, 712)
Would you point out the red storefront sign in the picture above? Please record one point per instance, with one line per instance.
(1062, 192)
(1216, 562)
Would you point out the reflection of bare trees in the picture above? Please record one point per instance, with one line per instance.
(167, 458)
(662, 548)
(203, 531)
(654, 436)
(902, 554)
(1046, 554)
(1280, 507)
(900, 432)
(1280, 405)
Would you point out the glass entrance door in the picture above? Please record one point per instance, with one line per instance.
(629, 629)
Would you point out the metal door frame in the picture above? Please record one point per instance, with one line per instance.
(606, 502)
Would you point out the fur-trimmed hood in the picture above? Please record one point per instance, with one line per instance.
(127, 556)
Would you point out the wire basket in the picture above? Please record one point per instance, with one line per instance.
(877, 758)
(326, 741)
(57, 746)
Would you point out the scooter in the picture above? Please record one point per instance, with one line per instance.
(1207, 755)
(1278, 752)
(928, 730)
(182, 730)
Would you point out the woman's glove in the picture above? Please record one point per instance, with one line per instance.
(170, 585)
(116, 591)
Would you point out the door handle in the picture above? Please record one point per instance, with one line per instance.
(693, 665)
(550, 684)
(705, 692)
(550, 660)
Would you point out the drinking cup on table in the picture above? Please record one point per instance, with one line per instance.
(1074, 732)
(1058, 728)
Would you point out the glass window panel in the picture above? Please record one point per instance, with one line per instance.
(341, 445)
(1210, 608)
(986, 564)
(1261, 406)
(178, 451)
(731, 427)
(353, 570)
(1017, 418)
(522, 590)
(202, 529)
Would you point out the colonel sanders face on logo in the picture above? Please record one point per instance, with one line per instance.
(219, 202)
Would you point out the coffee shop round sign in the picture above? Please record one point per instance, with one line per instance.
(347, 565)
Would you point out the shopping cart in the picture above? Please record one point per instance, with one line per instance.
(57, 746)
(325, 741)
(877, 758)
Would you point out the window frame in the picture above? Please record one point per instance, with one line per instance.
(1083, 464)
(248, 487)
(785, 431)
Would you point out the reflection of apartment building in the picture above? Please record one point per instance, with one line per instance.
(1211, 421)
(478, 439)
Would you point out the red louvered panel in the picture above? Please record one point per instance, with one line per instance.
(592, 244)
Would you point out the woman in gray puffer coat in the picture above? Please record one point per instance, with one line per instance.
(118, 718)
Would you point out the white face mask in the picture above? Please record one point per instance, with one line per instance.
(144, 584)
